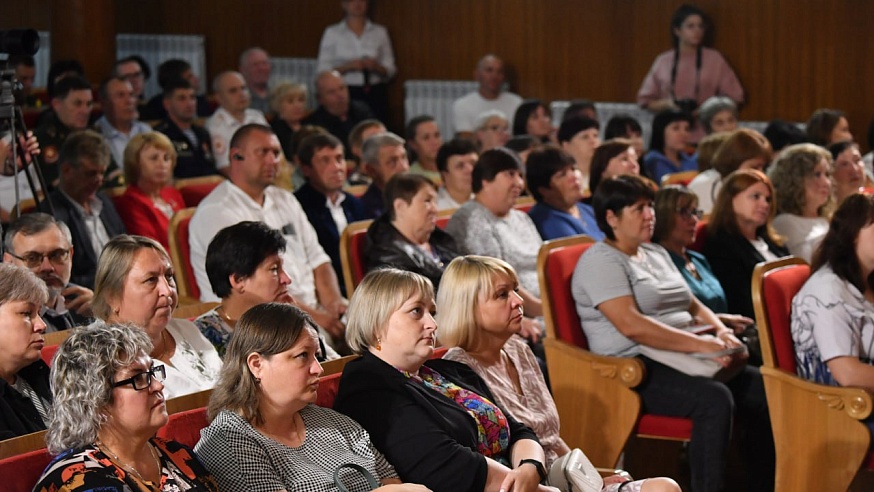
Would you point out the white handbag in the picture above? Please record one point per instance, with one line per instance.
(573, 472)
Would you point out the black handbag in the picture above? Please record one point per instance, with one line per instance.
(367, 476)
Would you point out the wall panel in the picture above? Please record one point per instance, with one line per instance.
(792, 55)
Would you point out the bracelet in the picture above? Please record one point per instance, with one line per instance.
(538, 465)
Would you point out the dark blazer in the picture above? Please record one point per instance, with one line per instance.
(18, 416)
(193, 159)
(358, 112)
(733, 259)
(313, 203)
(374, 203)
(430, 439)
(387, 246)
(84, 257)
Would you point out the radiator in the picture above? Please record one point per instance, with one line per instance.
(301, 70)
(434, 98)
(156, 49)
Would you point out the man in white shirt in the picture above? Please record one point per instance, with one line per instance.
(250, 195)
(120, 120)
(255, 67)
(233, 112)
(489, 73)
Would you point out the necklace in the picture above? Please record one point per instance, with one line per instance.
(224, 314)
(128, 467)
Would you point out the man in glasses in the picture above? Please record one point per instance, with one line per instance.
(42, 244)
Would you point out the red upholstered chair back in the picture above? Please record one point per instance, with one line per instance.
(700, 236)
(328, 388)
(180, 253)
(352, 244)
(558, 259)
(19, 473)
(48, 353)
(193, 190)
(185, 426)
(775, 283)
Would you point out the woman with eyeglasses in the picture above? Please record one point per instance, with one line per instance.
(677, 217)
(25, 396)
(109, 403)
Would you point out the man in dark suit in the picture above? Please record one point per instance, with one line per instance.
(90, 215)
(328, 208)
(44, 245)
(191, 141)
(337, 113)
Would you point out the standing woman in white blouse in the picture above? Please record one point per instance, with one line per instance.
(361, 51)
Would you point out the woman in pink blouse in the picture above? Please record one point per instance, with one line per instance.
(479, 317)
(150, 200)
(687, 75)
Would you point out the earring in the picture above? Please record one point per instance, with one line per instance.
(378, 344)
(257, 380)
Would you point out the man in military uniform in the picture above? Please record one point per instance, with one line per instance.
(193, 150)
(71, 105)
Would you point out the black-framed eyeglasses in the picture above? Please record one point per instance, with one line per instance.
(689, 212)
(33, 259)
(143, 380)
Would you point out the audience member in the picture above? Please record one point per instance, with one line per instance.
(290, 175)
(832, 311)
(360, 50)
(489, 225)
(676, 220)
(579, 137)
(30, 240)
(265, 431)
(455, 161)
(490, 94)
(361, 132)
(869, 157)
(106, 413)
(740, 235)
(135, 285)
(803, 192)
(336, 112)
(742, 149)
(827, 126)
(169, 73)
(534, 118)
(522, 145)
(612, 158)
(689, 74)
(24, 67)
(244, 265)
(383, 156)
(25, 395)
(554, 182)
(150, 200)
(405, 236)
(288, 101)
(848, 170)
(580, 108)
(91, 216)
(249, 194)
(120, 120)
(328, 208)
(423, 137)
(479, 317)
(668, 144)
(59, 70)
(630, 295)
(435, 420)
(492, 129)
(233, 113)
(255, 68)
(718, 114)
(70, 110)
(190, 140)
(781, 134)
(706, 150)
(136, 72)
(625, 126)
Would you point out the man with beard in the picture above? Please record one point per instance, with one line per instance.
(44, 245)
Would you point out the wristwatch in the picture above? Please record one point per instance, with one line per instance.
(540, 469)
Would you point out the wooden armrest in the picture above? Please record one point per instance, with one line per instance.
(596, 403)
(819, 439)
(22, 444)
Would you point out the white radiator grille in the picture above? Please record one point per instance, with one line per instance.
(156, 49)
(301, 70)
(434, 98)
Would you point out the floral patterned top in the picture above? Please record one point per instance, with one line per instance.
(491, 423)
(195, 365)
(215, 329)
(90, 469)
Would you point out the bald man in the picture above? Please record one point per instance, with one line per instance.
(233, 112)
(255, 67)
(490, 95)
(337, 113)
